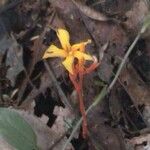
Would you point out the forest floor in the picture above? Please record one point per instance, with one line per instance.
(121, 121)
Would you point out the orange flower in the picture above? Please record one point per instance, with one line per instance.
(68, 52)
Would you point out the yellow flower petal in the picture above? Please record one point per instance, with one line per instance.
(80, 46)
(64, 38)
(81, 55)
(68, 63)
(54, 51)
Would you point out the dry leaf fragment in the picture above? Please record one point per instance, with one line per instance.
(46, 137)
(14, 57)
(138, 142)
(136, 15)
(134, 86)
(90, 12)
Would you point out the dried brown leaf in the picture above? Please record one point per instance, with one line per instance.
(138, 142)
(14, 57)
(135, 87)
(136, 15)
(46, 137)
(102, 135)
(89, 12)
(3, 2)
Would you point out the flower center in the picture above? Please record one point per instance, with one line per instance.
(71, 53)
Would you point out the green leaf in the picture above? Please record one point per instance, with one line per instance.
(16, 131)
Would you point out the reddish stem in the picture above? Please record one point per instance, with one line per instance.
(77, 80)
(78, 84)
(91, 68)
(82, 107)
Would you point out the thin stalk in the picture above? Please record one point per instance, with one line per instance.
(82, 107)
(78, 85)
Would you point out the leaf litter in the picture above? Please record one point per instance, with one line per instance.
(112, 26)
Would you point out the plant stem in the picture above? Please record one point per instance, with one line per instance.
(82, 107)
(82, 110)
(77, 81)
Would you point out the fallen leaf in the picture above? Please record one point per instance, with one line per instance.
(48, 137)
(14, 58)
(135, 87)
(89, 12)
(135, 16)
(103, 136)
(141, 142)
(3, 2)
(64, 116)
